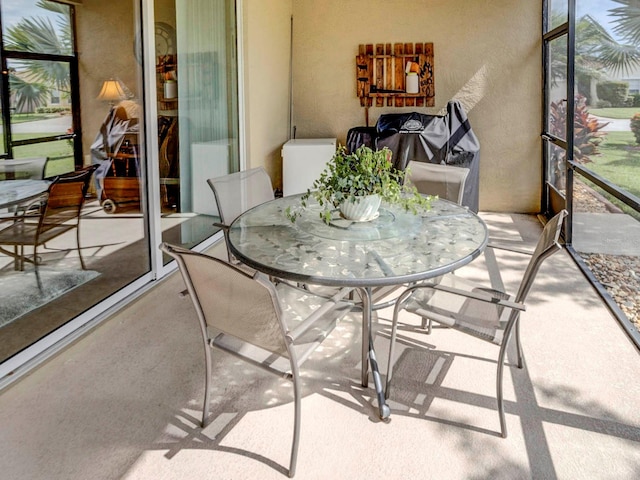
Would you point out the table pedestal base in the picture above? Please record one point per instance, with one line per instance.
(369, 354)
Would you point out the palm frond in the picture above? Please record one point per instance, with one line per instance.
(627, 20)
(28, 95)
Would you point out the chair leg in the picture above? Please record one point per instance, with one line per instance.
(296, 419)
(207, 388)
(35, 266)
(499, 396)
(79, 250)
(518, 344)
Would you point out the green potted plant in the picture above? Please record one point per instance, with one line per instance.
(360, 181)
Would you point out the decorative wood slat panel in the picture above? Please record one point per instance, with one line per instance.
(380, 74)
(408, 50)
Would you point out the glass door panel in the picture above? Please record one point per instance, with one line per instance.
(197, 112)
(556, 54)
(558, 14)
(557, 81)
(113, 247)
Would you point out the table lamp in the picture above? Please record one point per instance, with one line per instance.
(111, 92)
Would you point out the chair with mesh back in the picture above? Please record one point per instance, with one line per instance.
(238, 192)
(58, 213)
(485, 313)
(23, 168)
(445, 181)
(272, 326)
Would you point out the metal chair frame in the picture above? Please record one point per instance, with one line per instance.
(298, 342)
(446, 181)
(236, 193)
(547, 245)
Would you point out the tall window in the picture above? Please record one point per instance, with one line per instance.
(592, 142)
(40, 83)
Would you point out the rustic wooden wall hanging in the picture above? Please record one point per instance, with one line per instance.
(380, 74)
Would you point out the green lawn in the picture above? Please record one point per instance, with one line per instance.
(616, 113)
(619, 162)
(59, 152)
(28, 117)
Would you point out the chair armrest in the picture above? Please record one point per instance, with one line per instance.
(482, 297)
(221, 226)
(327, 306)
(509, 249)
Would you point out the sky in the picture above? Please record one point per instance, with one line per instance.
(599, 10)
(14, 10)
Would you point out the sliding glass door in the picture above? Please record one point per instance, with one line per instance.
(72, 99)
(84, 88)
(196, 85)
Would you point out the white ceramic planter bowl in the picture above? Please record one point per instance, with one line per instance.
(362, 209)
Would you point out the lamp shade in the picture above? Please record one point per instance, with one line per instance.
(111, 91)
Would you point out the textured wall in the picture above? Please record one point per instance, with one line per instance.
(266, 63)
(487, 55)
(105, 32)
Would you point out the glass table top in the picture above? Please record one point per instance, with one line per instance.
(396, 247)
(13, 192)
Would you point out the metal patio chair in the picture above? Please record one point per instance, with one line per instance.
(23, 168)
(238, 192)
(445, 181)
(485, 313)
(275, 327)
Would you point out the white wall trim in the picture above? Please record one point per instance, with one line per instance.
(242, 117)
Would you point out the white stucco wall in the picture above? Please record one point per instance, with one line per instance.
(487, 55)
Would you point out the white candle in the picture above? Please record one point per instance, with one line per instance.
(412, 83)
(170, 89)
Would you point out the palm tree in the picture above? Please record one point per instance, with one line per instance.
(596, 54)
(28, 96)
(32, 80)
(627, 20)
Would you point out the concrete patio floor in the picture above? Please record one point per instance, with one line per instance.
(124, 401)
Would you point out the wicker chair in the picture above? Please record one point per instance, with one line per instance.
(484, 313)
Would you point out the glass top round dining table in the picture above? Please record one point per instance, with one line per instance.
(395, 248)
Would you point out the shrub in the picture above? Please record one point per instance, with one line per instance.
(636, 100)
(635, 126)
(614, 92)
(53, 109)
(586, 129)
(603, 104)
